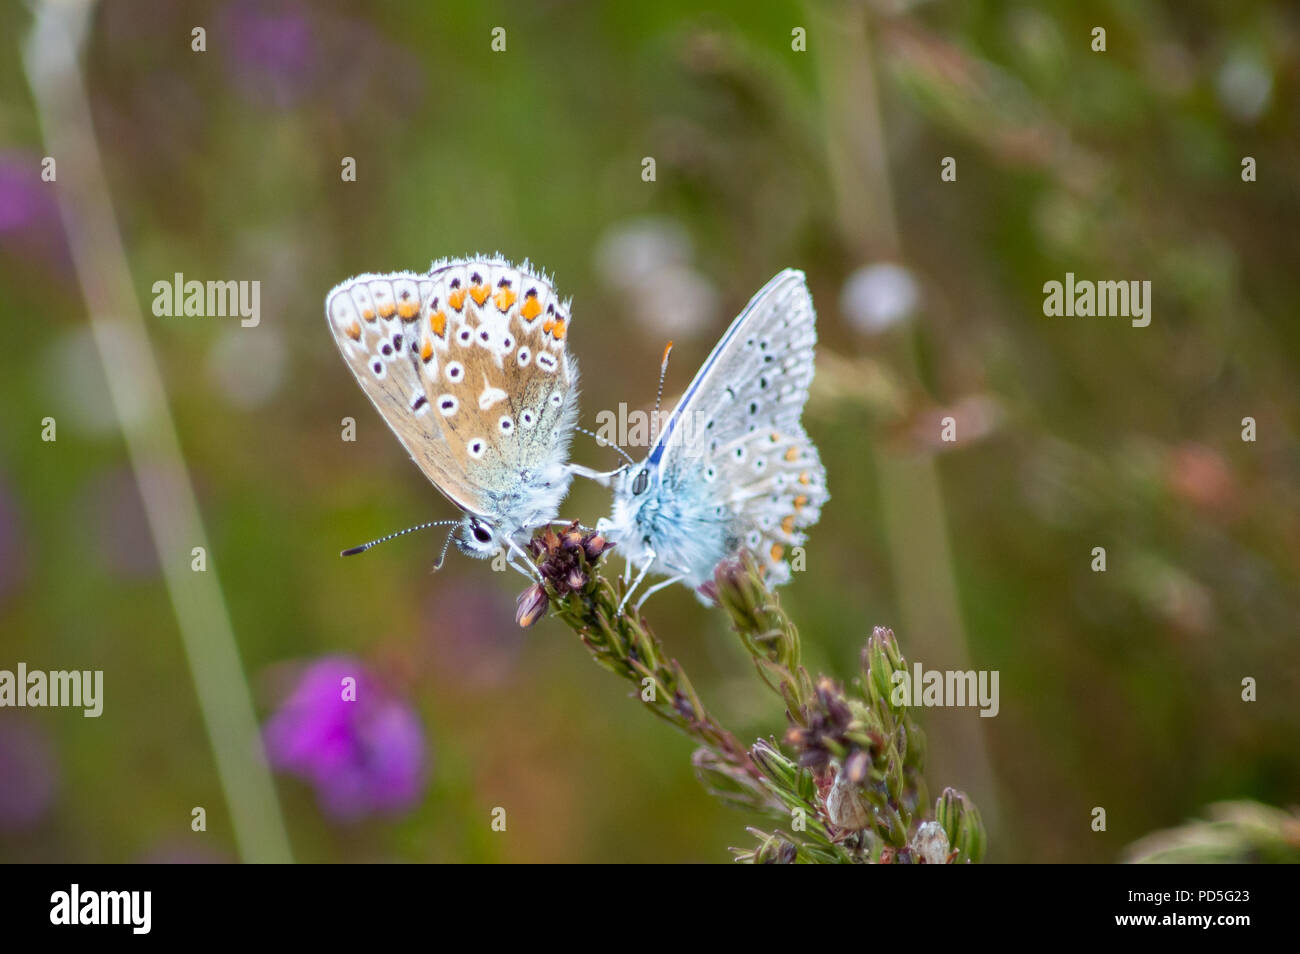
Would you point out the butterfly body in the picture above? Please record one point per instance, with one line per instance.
(733, 468)
(467, 365)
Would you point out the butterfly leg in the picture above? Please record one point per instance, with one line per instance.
(527, 568)
(601, 477)
(523, 569)
(637, 582)
(655, 589)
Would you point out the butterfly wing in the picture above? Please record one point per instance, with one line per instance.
(502, 385)
(467, 365)
(374, 323)
(734, 463)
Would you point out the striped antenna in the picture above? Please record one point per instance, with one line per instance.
(659, 395)
(353, 551)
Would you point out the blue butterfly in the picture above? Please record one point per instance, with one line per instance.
(733, 468)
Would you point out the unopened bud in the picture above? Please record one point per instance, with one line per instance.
(532, 605)
(930, 844)
(961, 822)
(595, 546)
(845, 807)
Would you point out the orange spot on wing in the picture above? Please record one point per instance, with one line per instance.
(504, 299)
(559, 330)
(549, 326)
(777, 552)
(479, 293)
(426, 350)
(531, 308)
(387, 309)
(787, 524)
(792, 454)
(804, 479)
(353, 331)
(438, 322)
(800, 502)
(368, 314)
(408, 310)
(457, 299)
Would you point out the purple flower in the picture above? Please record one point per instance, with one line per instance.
(287, 55)
(21, 201)
(28, 777)
(30, 227)
(361, 747)
(273, 55)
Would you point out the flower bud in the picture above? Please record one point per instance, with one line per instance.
(773, 763)
(961, 822)
(845, 806)
(595, 546)
(856, 766)
(532, 606)
(930, 844)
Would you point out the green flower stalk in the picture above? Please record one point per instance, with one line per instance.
(844, 784)
(588, 603)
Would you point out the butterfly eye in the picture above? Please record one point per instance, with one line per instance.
(481, 534)
(639, 485)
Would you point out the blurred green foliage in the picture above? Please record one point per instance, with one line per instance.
(1119, 689)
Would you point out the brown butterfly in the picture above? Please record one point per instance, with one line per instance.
(468, 366)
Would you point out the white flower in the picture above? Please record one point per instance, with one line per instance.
(876, 297)
(1244, 86)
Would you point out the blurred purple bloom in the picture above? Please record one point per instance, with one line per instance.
(21, 202)
(287, 54)
(272, 58)
(28, 778)
(363, 757)
(29, 217)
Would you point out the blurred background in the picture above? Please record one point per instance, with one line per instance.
(1119, 689)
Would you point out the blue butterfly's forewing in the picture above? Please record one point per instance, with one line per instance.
(733, 467)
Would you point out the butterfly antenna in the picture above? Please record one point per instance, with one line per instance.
(659, 395)
(605, 443)
(353, 551)
(445, 545)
